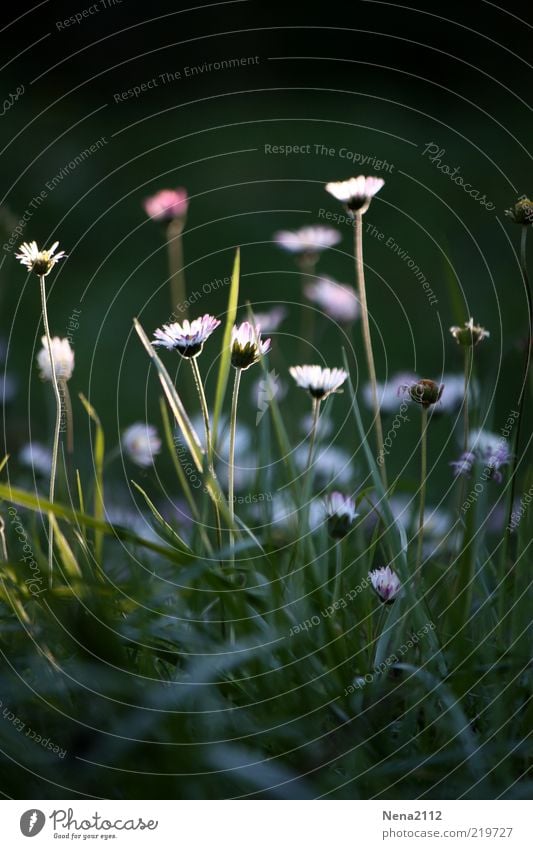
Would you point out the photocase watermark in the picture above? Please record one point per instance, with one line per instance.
(88, 12)
(365, 160)
(363, 680)
(328, 611)
(396, 424)
(50, 185)
(185, 73)
(268, 387)
(35, 583)
(435, 154)
(45, 742)
(11, 99)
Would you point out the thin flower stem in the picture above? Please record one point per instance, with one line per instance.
(312, 439)
(423, 476)
(178, 292)
(232, 430)
(208, 438)
(338, 570)
(469, 359)
(55, 447)
(360, 275)
(523, 390)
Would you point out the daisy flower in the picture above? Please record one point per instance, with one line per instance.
(141, 443)
(62, 355)
(307, 240)
(39, 261)
(341, 514)
(167, 205)
(188, 337)
(247, 347)
(319, 382)
(338, 300)
(357, 192)
(386, 583)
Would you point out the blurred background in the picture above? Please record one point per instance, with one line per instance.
(361, 88)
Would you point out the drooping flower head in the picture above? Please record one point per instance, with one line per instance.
(319, 382)
(141, 443)
(357, 192)
(167, 205)
(337, 300)
(247, 347)
(423, 392)
(522, 211)
(341, 513)
(307, 240)
(386, 583)
(39, 261)
(469, 335)
(188, 337)
(62, 355)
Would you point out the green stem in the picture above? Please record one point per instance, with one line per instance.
(178, 292)
(469, 358)
(423, 476)
(523, 390)
(55, 447)
(360, 275)
(231, 469)
(312, 438)
(208, 438)
(338, 570)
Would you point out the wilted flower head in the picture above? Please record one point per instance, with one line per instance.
(188, 337)
(522, 211)
(167, 205)
(423, 392)
(386, 583)
(270, 321)
(307, 240)
(341, 513)
(41, 262)
(63, 357)
(469, 335)
(336, 299)
(357, 192)
(141, 443)
(246, 345)
(319, 382)
(36, 456)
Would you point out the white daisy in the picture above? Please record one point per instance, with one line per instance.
(386, 583)
(63, 357)
(341, 513)
(307, 240)
(141, 443)
(39, 261)
(319, 382)
(247, 347)
(357, 192)
(188, 337)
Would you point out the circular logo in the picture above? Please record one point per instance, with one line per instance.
(32, 822)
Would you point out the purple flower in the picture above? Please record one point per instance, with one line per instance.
(386, 583)
(167, 205)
